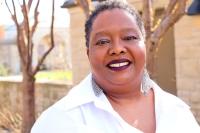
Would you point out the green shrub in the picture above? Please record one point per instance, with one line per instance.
(3, 70)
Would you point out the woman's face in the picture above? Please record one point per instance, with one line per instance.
(116, 49)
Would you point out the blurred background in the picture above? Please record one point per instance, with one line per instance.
(177, 58)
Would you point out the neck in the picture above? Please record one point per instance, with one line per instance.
(119, 93)
(124, 98)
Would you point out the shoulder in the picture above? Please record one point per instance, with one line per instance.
(167, 99)
(172, 113)
(54, 120)
(63, 115)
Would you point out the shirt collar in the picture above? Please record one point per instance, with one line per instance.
(96, 88)
(86, 92)
(78, 95)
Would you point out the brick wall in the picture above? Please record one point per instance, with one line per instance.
(187, 45)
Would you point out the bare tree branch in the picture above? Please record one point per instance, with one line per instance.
(27, 36)
(36, 13)
(8, 8)
(148, 16)
(15, 14)
(19, 37)
(52, 42)
(169, 20)
(52, 24)
(25, 23)
(170, 8)
(29, 4)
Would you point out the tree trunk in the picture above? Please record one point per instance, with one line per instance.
(151, 60)
(28, 102)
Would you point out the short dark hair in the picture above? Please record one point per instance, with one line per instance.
(109, 5)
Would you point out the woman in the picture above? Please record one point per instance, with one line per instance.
(118, 96)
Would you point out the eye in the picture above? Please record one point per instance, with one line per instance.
(102, 42)
(129, 38)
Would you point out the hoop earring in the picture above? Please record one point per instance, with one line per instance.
(146, 83)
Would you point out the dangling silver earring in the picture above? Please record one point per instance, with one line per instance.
(146, 83)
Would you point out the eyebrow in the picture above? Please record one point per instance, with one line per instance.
(131, 30)
(103, 32)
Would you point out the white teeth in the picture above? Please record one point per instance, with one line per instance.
(119, 64)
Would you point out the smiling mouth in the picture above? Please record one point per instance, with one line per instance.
(119, 65)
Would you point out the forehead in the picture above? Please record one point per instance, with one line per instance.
(114, 19)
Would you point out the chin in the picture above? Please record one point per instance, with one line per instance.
(120, 81)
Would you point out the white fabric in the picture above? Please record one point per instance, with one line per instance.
(83, 112)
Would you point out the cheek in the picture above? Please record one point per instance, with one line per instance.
(96, 58)
(139, 53)
(143, 52)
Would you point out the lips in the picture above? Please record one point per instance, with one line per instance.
(119, 65)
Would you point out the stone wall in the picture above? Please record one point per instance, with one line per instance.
(187, 33)
(46, 94)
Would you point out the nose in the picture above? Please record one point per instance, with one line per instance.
(117, 48)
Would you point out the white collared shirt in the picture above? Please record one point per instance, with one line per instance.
(81, 111)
